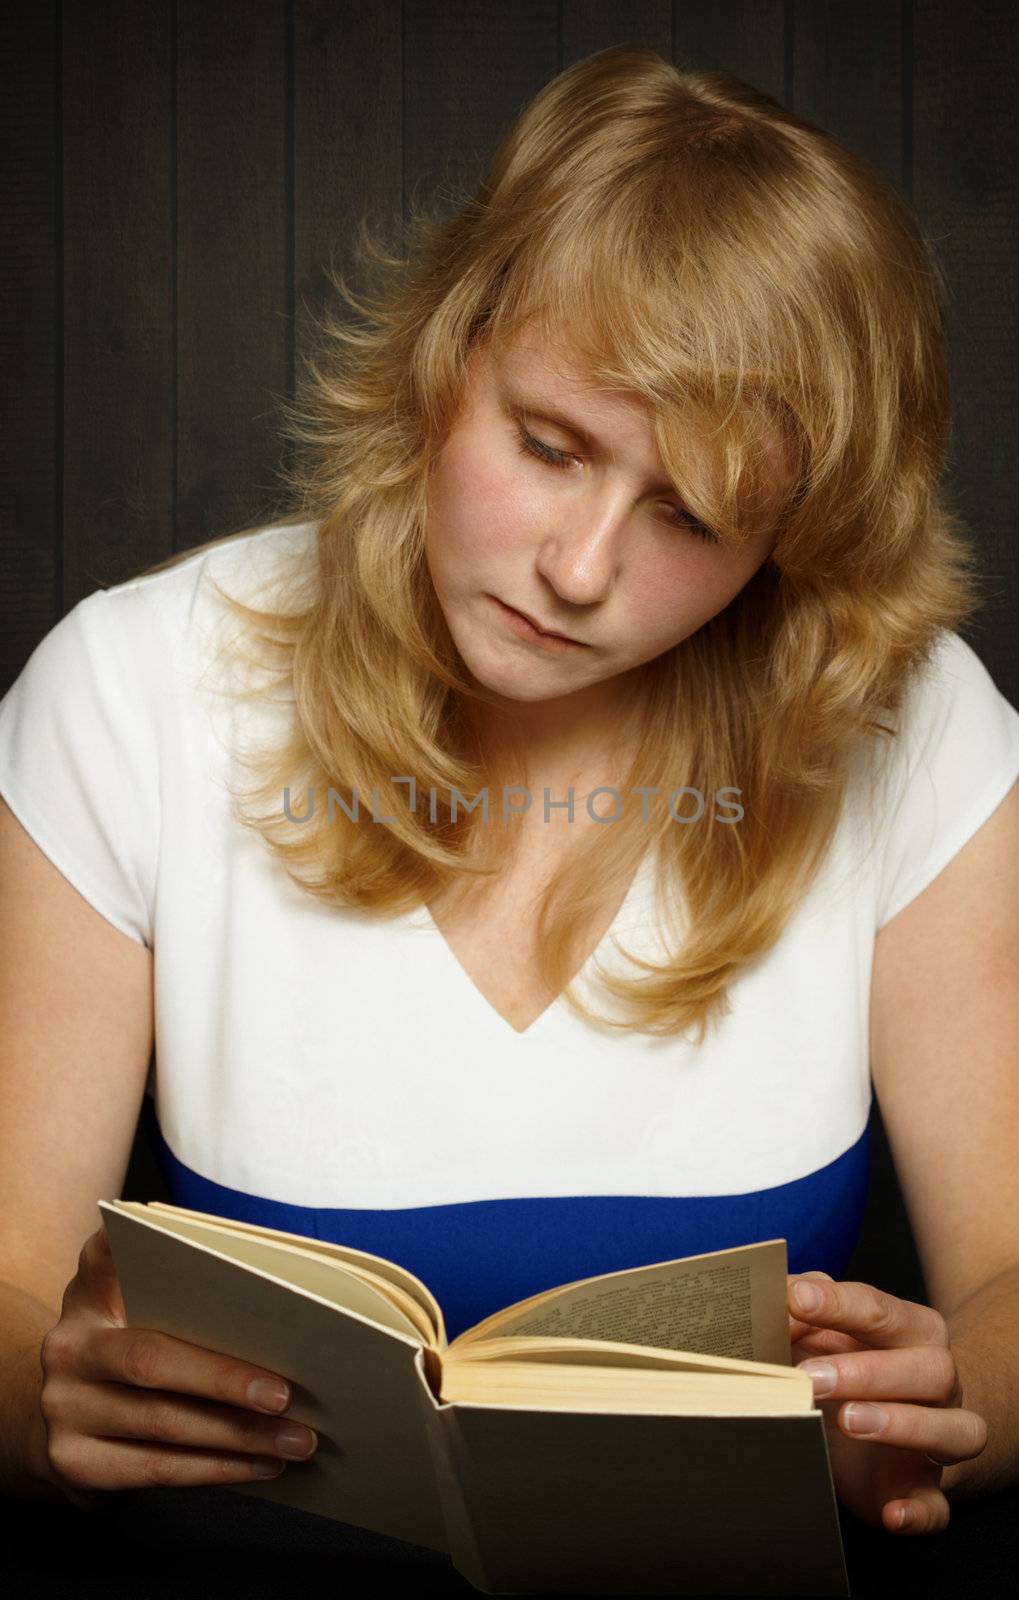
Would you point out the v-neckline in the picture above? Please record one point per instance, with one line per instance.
(553, 1005)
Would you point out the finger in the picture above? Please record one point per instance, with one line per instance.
(923, 1372)
(823, 1342)
(114, 1411)
(124, 1464)
(926, 1511)
(148, 1359)
(798, 1325)
(951, 1436)
(869, 1314)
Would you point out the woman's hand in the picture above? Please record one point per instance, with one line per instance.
(894, 1354)
(128, 1408)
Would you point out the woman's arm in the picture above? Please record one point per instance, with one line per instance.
(984, 1335)
(76, 1032)
(945, 1067)
(24, 1323)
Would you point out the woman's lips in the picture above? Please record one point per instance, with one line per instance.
(529, 629)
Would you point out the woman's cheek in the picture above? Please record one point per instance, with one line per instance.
(657, 611)
(671, 600)
(500, 517)
(482, 509)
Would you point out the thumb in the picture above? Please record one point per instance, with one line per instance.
(97, 1268)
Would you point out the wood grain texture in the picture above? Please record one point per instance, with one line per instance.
(118, 305)
(233, 254)
(30, 330)
(965, 62)
(183, 176)
(348, 144)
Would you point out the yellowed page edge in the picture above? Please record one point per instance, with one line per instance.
(400, 1276)
(625, 1389)
(365, 1299)
(598, 1352)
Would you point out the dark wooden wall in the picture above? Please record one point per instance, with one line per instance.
(178, 172)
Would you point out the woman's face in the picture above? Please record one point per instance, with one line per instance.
(597, 548)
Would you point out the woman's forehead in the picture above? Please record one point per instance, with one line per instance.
(554, 364)
(560, 357)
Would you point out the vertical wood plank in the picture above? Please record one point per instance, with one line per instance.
(111, 412)
(848, 70)
(746, 38)
(590, 25)
(233, 261)
(348, 142)
(469, 70)
(29, 331)
(118, 290)
(966, 156)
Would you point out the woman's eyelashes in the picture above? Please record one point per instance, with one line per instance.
(530, 446)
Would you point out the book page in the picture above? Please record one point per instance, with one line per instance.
(727, 1303)
(633, 1388)
(353, 1288)
(393, 1273)
(548, 1352)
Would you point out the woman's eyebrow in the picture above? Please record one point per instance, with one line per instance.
(544, 411)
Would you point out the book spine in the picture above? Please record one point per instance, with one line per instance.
(449, 1467)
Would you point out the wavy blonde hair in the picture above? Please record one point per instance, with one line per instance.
(699, 246)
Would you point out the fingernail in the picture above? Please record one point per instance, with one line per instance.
(822, 1373)
(807, 1296)
(263, 1467)
(267, 1395)
(295, 1441)
(865, 1418)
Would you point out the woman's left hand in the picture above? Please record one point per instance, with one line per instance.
(897, 1354)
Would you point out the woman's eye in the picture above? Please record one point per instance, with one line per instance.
(530, 446)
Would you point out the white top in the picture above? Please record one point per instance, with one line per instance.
(332, 1074)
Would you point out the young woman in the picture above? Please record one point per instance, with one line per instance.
(525, 855)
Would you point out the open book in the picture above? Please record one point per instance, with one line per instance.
(640, 1432)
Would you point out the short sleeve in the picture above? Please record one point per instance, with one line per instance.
(79, 759)
(958, 758)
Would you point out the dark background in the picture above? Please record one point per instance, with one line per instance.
(177, 175)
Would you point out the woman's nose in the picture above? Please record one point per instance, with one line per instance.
(580, 554)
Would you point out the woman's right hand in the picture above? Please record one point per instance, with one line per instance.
(129, 1408)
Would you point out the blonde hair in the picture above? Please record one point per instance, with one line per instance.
(698, 245)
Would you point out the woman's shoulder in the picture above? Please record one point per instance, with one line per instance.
(952, 759)
(175, 625)
(953, 679)
(247, 565)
